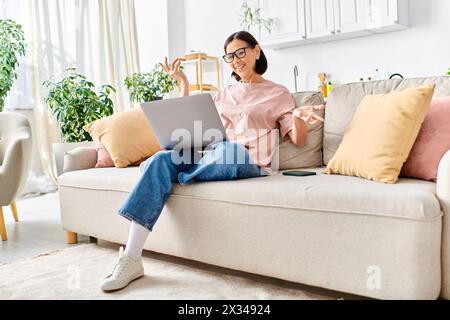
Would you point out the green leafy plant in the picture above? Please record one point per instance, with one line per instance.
(12, 46)
(144, 87)
(251, 17)
(448, 72)
(75, 102)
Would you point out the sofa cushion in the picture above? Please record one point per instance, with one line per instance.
(381, 134)
(315, 193)
(431, 144)
(103, 157)
(343, 101)
(310, 155)
(126, 135)
(80, 158)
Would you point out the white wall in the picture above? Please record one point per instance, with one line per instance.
(208, 24)
(153, 36)
(160, 25)
(176, 32)
(421, 50)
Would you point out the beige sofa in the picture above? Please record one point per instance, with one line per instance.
(342, 233)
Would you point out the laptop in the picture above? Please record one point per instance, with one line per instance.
(185, 122)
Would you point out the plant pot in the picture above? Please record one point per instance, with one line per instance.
(60, 149)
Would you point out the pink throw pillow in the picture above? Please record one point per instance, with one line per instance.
(431, 144)
(103, 158)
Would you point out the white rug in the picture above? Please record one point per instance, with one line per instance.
(75, 273)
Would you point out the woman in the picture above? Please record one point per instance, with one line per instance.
(251, 110)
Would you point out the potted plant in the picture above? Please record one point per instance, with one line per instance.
(75, 102)
(145, 87)
(250, 17)
(12, 46)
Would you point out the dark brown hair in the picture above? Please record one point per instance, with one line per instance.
(261, 63)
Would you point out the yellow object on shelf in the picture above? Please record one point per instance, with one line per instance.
(329, 87)
(203, 63)
(323, 84)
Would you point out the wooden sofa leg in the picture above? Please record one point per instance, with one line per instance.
(14, 211)
(72, 237)
(2, 226)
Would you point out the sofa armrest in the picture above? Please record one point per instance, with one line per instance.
(80, 158)
(443, 194)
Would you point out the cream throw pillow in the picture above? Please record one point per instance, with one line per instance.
(126, 135)
(381, 134)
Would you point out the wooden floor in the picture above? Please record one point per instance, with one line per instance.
(38, 230)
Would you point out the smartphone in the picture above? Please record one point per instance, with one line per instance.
(299, 173)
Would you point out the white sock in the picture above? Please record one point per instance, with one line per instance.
(136, 240)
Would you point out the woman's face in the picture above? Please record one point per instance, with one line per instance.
(245, 66)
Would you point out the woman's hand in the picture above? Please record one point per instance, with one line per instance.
(175, 73)
(301, 116)
(307, 113)
(173, 70)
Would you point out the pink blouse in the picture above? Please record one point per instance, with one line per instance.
(254, 114)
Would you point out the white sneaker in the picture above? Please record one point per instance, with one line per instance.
(125, 271)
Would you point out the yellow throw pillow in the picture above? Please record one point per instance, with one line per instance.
(126, 135)
(381, 134)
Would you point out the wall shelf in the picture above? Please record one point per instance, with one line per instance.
(202, 63)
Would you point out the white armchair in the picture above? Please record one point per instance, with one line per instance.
(15, 158)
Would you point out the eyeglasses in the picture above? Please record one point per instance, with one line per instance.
(239, 53)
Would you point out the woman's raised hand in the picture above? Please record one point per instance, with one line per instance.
(307, 113)
(173, 69)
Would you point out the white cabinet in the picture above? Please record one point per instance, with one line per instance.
(334, 19)
(386, 15)
(301, 22)
(350, 15)
(319, 17)
(289, 25)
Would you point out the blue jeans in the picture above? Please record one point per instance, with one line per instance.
(224, 161)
